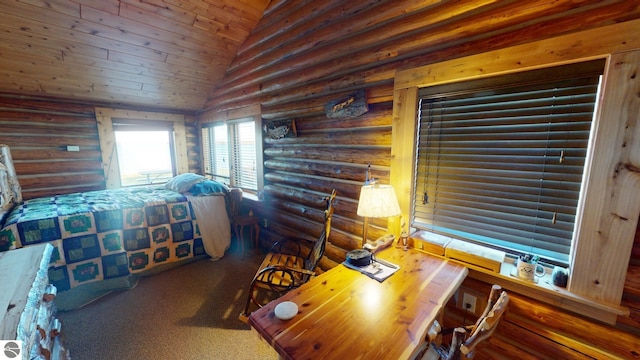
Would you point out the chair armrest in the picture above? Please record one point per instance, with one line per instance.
(271, 271)
(283, 246)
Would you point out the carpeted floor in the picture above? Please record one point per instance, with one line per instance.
(190, 312)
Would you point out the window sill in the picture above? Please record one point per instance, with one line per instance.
(546, 292)
(250, 197)
(543, 290)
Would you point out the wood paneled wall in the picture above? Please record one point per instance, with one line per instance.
(38, 133)
(302, 55)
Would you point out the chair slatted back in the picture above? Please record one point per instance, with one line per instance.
(317, 251)
(487, 325)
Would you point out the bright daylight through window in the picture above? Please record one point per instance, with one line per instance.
(500, 161)
(144, 156)
(229, 151)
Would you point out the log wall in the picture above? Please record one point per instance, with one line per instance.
(302, 55)
(38, 132)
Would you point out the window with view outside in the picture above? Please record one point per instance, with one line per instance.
(144, 157)
(230, 153)
(215, 147)
(500, 161)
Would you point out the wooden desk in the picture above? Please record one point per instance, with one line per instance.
(343, 314)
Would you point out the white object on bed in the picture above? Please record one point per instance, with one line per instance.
(211, 214)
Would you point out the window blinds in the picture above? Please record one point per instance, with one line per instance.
(500, 160)
(244, 152)
(229, 151)
(215, 147)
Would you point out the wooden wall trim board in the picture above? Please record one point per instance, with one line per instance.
(242, 112)
(403, 149)
(539, 54)
(609, 212)
(598, 273)
(180, 145)
(111, 168)
(139, 115)
(109, 151)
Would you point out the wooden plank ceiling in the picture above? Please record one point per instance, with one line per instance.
(146, 53)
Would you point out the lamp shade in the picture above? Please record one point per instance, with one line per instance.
(378, 201)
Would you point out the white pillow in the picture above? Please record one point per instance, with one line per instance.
(184, 182)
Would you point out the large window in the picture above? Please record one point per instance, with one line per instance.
(230, 151)
(145, 152)
(500, 161)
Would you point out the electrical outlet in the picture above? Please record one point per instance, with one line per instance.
(469, 302)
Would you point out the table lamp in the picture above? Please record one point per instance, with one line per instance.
(376, 201)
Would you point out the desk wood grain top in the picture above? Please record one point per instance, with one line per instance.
(343, 314)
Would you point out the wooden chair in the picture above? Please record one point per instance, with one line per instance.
(465, 339)
(284, 268)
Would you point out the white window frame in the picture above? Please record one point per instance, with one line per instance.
(598, 273)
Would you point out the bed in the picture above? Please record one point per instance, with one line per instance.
(105, 240)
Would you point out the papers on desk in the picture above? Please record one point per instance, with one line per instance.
(378, 269)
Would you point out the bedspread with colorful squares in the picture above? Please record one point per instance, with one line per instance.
(106, 234)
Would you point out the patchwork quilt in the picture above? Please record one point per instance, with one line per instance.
(106, 234)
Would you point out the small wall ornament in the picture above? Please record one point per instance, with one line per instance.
(278, 129)
(349, 106)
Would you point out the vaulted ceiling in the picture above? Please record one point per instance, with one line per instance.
(166, 54)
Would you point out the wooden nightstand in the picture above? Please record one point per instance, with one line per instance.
(239, 221)
(239, 224)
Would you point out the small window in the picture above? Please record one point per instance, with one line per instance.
(144, 153)
(215, 146)
(500, 161)
(229, 152)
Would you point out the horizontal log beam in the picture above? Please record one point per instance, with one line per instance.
(342, 171)
(363, 156)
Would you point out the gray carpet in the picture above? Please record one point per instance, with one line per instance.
(190, 312)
